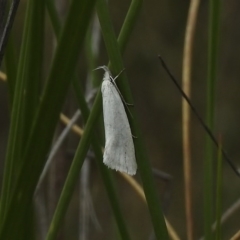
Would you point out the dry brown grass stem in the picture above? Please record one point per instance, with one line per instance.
(236, 236)
(186, 85)
(76, 129)
(3, 76)
(129, 179)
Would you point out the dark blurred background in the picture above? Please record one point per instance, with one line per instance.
(160, 29)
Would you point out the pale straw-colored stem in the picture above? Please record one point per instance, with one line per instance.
(76, 129)
(130, 180)
(186, 85)
(3, 76)
(236, 236)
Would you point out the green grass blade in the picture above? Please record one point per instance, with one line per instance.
(54, 17)
(211, 82)
(106, 174)
(129, 23)
(74, 171)
(33, 66)
(15, 146)
(32, 72)
(108, 182)
(92, 44)
(38, 144)
(143, 163)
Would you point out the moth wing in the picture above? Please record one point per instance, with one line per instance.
(119, 151)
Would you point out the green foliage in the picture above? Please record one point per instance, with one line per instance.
(214, 17)
(35, 115)
(36, 103)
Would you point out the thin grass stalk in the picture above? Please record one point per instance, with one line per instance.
(186, 85)
(84, 209)
(32, 71)
(214, 19)
(52, 100)
(7, 28)
(16, 137)
(54, 150)
(129, 23)
(29, 75)
(92, 48)
(236, 236)
(105, 172)
(143, 163)
(135, 185)
(3, 14)
(108, 181)
(13, 147)
(75, 128)
(58, 166)
(85, 140)
(3, 76)
(40, 216)
(218, 234)
(230, 211)
(226, 215)
(73, 173)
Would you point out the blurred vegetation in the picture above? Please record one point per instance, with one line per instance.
(159, 29)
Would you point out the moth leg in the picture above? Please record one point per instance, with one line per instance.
(117, 75)
(113, 80)
(133, 136)
(126, 104)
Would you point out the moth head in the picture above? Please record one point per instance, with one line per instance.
(105, 68)
(107, 74)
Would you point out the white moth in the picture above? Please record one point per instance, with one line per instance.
(119, 151)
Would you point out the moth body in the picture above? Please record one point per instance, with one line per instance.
(119, 151)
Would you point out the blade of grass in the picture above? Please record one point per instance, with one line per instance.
(219, 193)
(106, 174)
(73, 172)
(28, 72)
(16, 138)
(186, 86)
(8, 27)
(129, 23)
(3, 13)
(143, 163)
(47, 116)
(129, 179)
(236, 236)
(32, 71)
(214, 17)
(107, 178)
(227, 214)
(92, 39)
(85, 137)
